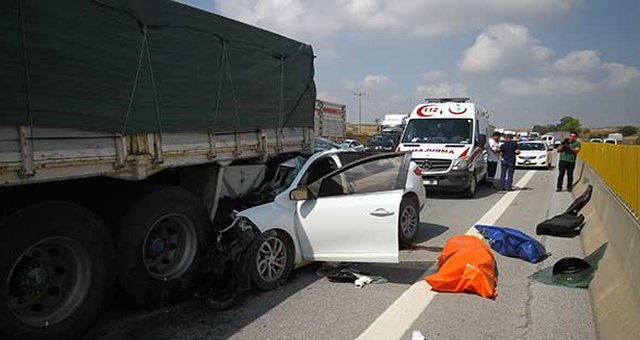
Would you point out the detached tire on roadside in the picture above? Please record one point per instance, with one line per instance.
(56, 268)
(160, 247)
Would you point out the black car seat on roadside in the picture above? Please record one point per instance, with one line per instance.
(569, 223)
(580, 202)
(564, 225)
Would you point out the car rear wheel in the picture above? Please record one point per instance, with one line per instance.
(409, 220)
(271, 260)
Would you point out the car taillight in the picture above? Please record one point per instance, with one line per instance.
(418, 171)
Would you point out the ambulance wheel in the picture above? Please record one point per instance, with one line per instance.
(470, 191)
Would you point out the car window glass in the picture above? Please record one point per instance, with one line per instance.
(374, 176)
(318, 169)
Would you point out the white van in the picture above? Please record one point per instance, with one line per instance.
(549, 140)
(447, 138)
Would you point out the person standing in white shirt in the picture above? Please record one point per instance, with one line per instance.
(493, 156)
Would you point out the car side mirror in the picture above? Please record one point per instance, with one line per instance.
(301, 193)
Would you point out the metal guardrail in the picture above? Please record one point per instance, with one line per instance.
(619, 167)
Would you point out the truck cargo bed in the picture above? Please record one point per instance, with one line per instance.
(45, 154)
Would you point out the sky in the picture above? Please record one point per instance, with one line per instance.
(527, 61)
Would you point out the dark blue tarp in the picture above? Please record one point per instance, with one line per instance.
(514, 243)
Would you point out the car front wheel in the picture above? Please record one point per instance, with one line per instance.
(271, 260)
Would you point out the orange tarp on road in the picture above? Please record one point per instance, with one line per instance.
(465, 265)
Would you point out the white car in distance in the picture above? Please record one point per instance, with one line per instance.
(352, 144)
(534, 154)
(341, 206)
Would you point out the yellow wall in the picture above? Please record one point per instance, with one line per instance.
(618, 166)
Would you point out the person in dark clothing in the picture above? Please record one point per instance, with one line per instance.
(493, 157)
(509, 150)
(568, 151)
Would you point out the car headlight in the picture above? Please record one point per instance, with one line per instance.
(244, 224)
(542, 156)
(460, 164)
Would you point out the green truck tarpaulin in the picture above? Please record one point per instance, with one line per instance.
(147, 66)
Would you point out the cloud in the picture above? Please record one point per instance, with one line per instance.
(504, 48)
(317, 20)
(548, 85)
(376, 81)
(433, 76)
(578, 62)
(576, 73)
(441, 90)
(621, 75)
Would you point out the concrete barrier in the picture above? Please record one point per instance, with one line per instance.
(615, 291)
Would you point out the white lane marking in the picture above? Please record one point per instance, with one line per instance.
(402, 313)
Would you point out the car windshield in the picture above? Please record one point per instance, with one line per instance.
(531, 146)
(438, 131)
(285, 174)
(381, 140)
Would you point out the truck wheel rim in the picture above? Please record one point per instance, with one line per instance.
(170, 247)
(271, 259)
(409, 221)
(49, 281)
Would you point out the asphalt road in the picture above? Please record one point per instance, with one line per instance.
(310, 307)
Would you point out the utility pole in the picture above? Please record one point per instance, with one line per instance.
(359, 95)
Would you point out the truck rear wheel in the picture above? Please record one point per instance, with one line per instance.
(55, 263)
(160, 246)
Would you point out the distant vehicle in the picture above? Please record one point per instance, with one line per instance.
(617, 136)
(323, 144)
(534, 154)
(352, 144)
(340, 206)
(548, 140)
(534, 136)
(393, 122)
(383, 142)
(595, 140)
(447, 137)
(610, 141)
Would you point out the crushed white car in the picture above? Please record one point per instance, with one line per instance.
(337, 206)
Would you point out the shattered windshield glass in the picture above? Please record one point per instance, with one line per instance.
(285, 174)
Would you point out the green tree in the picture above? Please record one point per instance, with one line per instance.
(569, 123)
(542, 129)
(628, 130)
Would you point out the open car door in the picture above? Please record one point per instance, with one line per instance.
(353, 212)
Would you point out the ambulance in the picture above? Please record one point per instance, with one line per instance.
(447, 138)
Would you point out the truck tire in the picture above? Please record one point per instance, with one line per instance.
(271, 260)
(56, 268)
(409, 220)
(160, 246)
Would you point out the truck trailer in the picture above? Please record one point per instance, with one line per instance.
(122, 123)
